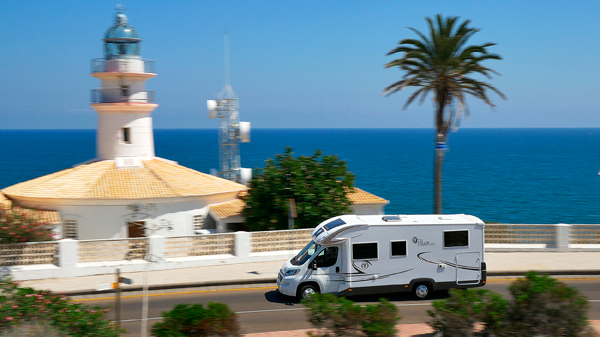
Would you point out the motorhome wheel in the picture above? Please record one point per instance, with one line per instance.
(421, 291)
(307, 290)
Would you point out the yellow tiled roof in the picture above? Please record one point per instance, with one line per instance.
(51, 217)
(363, 197)
(235, 207)
(103, 180)
(229, 209)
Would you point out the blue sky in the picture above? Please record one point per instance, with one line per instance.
(296, 64)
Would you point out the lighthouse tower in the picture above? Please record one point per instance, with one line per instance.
(123, 104)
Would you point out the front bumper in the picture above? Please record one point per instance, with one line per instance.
(284, 286)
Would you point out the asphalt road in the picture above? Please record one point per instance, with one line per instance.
(261, 308)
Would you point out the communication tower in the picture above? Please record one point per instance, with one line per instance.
(232, 132)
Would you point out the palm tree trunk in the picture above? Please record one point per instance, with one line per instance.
(437, 177)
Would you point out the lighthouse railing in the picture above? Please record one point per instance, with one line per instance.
(120, 95)
(102, 65)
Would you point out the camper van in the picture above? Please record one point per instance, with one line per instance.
(370, 254)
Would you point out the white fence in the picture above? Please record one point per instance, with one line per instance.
(71, 258)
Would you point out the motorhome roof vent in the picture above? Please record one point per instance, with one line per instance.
(387, 218)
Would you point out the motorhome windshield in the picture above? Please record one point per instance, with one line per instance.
(305, 254)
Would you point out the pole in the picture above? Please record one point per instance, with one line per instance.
(144, 327)
(118, 299)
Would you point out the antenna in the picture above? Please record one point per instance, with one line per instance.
(227, 71)
(231, 130)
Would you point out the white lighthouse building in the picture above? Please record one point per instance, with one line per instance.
(126, 191)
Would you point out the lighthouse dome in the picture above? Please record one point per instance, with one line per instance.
(121, 40)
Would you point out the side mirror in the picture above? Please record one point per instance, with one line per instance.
(314, 266)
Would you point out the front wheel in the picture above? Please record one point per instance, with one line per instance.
(421, 291)
(307, 290)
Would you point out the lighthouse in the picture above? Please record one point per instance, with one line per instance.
(123, 103)
(126, 190)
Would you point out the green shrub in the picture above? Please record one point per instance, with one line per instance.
(196, 320)
(33, 329)
(543, 306)
(18, 224)
(381, 319)
(338, 316)
(334, 315)
(457, 315)
(20, 305)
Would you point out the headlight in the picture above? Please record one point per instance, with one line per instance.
(292, 272)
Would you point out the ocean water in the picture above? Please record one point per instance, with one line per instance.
(502, 175)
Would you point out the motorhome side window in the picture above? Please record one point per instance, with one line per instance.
(364, 251)
(398, 248)
(327, 257)
(456, 239)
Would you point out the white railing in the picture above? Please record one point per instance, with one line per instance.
(279, 240)
(212, 244)
(30, 253)
(512, 234)
(71, 258)
(112, 250)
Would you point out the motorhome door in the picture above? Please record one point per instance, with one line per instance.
(328, 269)
(468, 267)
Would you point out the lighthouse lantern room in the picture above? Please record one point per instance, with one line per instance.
(124, 132)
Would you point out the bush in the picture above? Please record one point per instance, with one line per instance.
(381, 319)
(457, 315)
(19, 224)
(543, 306)
(195, 320)
(338, 316)
(33, 329)
(21, 305)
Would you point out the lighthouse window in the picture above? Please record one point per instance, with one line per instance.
(70, 229)
(126, 136)
(124, 91)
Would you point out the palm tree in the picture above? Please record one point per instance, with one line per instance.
(443, 65)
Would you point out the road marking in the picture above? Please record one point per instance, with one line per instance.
(273, 310)
(175, 293)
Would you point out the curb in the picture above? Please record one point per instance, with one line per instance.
(274, 280)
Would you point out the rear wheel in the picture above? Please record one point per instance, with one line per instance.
(421, 291)
(307, 290)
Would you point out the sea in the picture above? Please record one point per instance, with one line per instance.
(520, 176)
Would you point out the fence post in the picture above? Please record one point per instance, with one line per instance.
(68, 255)
(157, 247)
(563, 233)
(242, 245)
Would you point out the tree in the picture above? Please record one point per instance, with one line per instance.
(317, 183)
(443, 64)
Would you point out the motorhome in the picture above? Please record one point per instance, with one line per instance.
(369, 254)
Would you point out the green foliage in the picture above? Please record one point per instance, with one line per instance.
(443, 65)
(20, 305)
(541, 306)
(380, 319)
(32, 329)
(338, 316)
(19, 224)
(317, 183)
(456, 315)
(546, 307)
(196, 320)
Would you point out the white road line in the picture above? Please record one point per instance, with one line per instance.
(296, 309)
